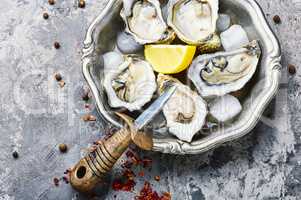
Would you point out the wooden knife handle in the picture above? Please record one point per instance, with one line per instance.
(88, 172)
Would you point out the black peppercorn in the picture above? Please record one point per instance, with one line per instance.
(277, 19)
(57, 45)
(56, 181)
(81, 3)
(58, 77)
(15, 155)
(51, 2)
(291, 69)
(63, 148)
(45, 16)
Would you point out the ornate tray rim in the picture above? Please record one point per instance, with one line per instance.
(179, 147)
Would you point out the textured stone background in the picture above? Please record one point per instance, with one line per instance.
(36, 115)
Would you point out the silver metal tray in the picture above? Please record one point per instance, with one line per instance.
(101, 37)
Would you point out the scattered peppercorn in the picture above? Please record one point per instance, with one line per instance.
(58, 76)
(291, 69)
(45, 15)
(57, 45)
(157, 178)
(86, 96)
(51, 2)
(15, 155)
(277, 19)
(63, 148)
(62, 83)
(89, 117)
(81, 3)
(56, 181)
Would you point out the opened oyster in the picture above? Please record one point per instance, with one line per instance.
(194, 21)
(143, 19)
(223, 72)
(131, 85)
(185, 111)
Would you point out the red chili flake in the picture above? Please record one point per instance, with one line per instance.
(157, 178)
(141, 173)
(129, 174)
(87, 105)
(129, 154)
(146, 162)
(89, 117)
(134, 158)
(147, 193)
(56, 181)
(166, 196)
(119, 185)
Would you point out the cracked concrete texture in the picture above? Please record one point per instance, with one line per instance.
(36, 115)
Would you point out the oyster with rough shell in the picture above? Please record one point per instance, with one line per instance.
(185, 111)
(224, 72)
(131, 85)
(194, 21)
(143, 20)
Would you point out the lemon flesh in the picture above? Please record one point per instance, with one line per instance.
(169, 59)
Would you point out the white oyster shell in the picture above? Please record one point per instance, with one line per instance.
(225, 108)
(185, 111)
(224, 72)
(131, 85)
(194, 21)
(145, 21)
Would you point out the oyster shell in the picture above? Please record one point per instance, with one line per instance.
(185, 111)
(145, 22)
(194, 21)
(131, 85)
(224, 72)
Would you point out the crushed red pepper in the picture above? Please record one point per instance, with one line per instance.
(127, 183)
(147, 193)
(141, 173)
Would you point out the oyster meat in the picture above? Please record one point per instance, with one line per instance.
(224, 72)
(194, 21)
(131, 85)
(145, 22)
(185, 111)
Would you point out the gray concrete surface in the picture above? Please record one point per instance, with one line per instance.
(36, 115)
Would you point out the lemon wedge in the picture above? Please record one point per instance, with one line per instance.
(169, 59)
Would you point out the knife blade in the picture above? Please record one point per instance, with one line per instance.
(154, 108)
